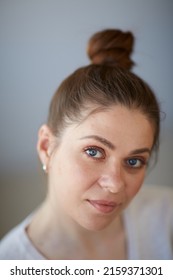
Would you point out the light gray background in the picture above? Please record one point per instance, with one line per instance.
(41, 42)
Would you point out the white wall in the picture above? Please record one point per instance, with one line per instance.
(42, 41)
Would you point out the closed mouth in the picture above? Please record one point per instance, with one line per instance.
(104, 206)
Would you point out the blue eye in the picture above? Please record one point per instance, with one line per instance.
(94, 152)
(135, 163)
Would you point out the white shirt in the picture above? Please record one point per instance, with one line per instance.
(148, 222)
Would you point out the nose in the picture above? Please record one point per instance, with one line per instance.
(112, 180)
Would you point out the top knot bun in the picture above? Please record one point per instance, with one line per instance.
(111, 47)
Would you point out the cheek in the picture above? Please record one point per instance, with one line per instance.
(73, 174)
(134, 185)
(83, 174)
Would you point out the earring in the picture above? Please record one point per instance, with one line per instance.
(44, 168)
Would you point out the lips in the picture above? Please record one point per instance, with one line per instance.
(103, 206)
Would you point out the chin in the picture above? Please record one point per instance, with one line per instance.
(96, 225)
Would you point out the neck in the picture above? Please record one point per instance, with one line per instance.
(55, 235)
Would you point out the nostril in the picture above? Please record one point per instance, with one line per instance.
(112, 184)
(117, 188)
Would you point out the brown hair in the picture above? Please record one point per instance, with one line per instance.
(111, 47)
(106, 82)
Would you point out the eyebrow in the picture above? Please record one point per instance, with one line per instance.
(111, 146)
(101, 140)
(141, 151)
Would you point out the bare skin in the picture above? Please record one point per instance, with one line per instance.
(82, 244)
(93, 173)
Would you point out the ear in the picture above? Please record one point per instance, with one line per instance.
(45, 144)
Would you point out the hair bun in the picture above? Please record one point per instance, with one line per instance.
(111, 47)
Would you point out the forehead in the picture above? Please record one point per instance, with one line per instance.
(118, 123)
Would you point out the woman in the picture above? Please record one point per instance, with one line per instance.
(102, 129)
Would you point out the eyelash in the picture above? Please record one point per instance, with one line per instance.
(96, 149)
(142, 161)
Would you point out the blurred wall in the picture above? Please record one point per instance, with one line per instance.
(41, 42)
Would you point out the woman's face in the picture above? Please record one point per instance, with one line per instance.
(99, 166)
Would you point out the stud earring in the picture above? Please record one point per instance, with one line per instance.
(44, 168)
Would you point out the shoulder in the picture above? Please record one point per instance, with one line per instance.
(155, 197)
(10, 245)
(154, 202)
(152, 210)
(149, 221)
(16, 245)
